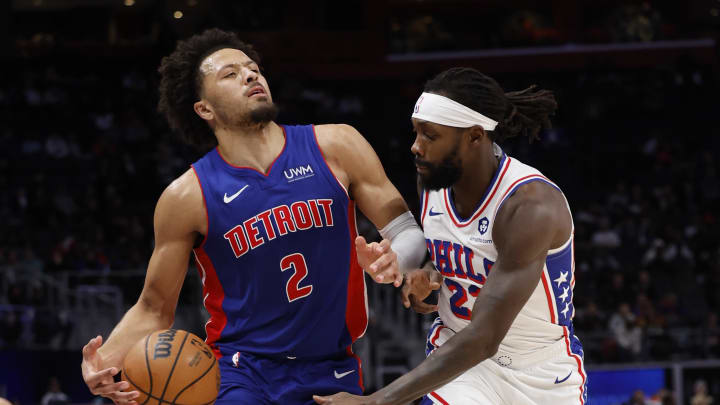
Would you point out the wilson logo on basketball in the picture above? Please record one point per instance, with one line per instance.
(183, 371)
(163, 345)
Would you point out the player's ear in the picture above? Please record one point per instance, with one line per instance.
(204, 110)
(477, 134)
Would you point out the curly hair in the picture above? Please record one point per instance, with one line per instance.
(181, 82)
(523, 112)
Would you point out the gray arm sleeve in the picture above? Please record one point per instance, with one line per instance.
(407, 241)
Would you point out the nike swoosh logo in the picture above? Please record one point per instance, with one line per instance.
(432, 214)
(232, 197)
(563, 380)
(341, 375)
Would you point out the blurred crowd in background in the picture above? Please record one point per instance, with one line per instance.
(85, 156)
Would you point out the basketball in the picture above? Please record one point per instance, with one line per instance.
(172, 366)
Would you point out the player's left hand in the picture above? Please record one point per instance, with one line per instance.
(343, 398)
(379, 260)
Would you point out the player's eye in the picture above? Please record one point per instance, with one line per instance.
(231, 74)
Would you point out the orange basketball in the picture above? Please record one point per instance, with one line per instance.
(172, 367)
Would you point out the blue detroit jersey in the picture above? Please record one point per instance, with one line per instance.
(278, 264)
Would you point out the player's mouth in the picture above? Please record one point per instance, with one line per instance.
(256, 91)
(422, 166)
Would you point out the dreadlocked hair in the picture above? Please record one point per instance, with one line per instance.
(181, 82)
(523, 112)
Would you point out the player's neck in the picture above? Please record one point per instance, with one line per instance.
(475, 180)
(255, 147)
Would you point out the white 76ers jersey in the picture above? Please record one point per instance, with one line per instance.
(463, 251)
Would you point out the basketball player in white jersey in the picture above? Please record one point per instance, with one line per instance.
(500, 237)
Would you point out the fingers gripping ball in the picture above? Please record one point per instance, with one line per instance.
(172, 367)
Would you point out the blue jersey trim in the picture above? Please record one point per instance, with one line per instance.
(485, 194)
(515, 188)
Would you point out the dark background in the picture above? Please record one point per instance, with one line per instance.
(84, 155)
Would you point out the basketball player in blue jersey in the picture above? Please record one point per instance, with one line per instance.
(269, 216)
(500, 238)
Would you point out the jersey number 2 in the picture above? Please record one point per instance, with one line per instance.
(296, 262)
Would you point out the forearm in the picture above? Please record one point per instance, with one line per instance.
(458, 354)
(138, 322)
(407, 241)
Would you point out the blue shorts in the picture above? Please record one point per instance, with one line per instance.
(262, 380)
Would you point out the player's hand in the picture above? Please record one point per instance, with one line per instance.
(379, 261)
(418, 285)
(100, 381)
(343, 398)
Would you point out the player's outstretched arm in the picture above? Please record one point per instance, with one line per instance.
(529, 224)
(357, 166)
(179, 216)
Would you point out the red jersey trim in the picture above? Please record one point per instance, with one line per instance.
(578, 360)
(356, 318)
(548, 295)
(426, 197)
(439, 398)
(329, 168)
(360, 370)
(207, 215)
(451, 211)
(213, 298)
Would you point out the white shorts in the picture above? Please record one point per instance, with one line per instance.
(552, 375)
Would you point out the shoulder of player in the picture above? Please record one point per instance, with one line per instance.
(536, 207)
(338, 138)
(184, 189)
(182, 200)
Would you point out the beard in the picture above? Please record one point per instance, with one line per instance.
(441, 175)
(259, 116)
(264, 113)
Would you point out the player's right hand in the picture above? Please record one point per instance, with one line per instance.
(100, 381)
(418, 285)
(379, 261)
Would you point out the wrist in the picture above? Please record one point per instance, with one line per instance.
(377, 398)
(107, 360)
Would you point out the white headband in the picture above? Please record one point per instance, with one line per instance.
(441, 110)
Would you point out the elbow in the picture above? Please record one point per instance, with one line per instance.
(486, 344)
(490, 349)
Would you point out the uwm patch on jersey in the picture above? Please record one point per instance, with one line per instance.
(280, 275)
(463, 251)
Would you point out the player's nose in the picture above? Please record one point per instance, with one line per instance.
(415, 148)
(250, 75)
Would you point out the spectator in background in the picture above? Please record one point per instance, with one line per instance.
(54, 396)
(10, 328)
(628, 334)
(711, 334)
(637, 398)
(636, 22)
(645, 286)
(591, 318)
(700, 394)
(617, 292)
(662, 397)
(606, 237)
